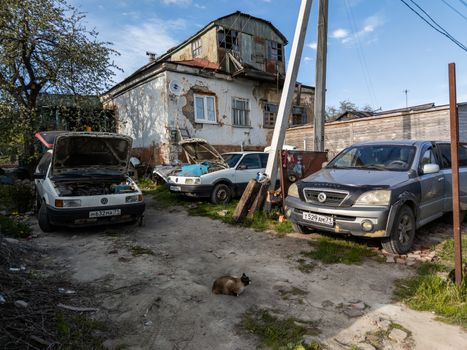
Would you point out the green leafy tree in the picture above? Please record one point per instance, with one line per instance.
(45, 48)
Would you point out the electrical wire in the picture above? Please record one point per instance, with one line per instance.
(433, 24)
(361, 55)
(454, 9)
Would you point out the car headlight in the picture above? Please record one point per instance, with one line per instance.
(134, 198)
(293, 191)
(193, 181)
(67, 203)
(377, 197)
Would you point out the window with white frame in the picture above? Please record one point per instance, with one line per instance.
(196, 48)
(205, 111)
(240, 112)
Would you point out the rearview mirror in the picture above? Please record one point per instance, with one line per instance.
(430, 168)
(39, 176)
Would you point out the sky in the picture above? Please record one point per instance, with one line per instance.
(377, 49)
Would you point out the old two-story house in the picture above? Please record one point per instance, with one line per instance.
(222, 84)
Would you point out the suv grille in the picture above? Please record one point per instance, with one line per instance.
(328, 198)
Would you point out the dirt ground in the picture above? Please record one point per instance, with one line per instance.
(158, 280)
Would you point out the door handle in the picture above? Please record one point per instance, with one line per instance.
(440, 179)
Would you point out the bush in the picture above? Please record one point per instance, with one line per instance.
(19, 197)
(14, 228)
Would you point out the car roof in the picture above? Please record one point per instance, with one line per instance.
(396, 142)
(246, 152)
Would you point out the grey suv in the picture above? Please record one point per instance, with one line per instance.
(384, 189)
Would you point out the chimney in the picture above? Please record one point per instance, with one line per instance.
(152, 56)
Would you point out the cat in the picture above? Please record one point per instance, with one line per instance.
(229, 285)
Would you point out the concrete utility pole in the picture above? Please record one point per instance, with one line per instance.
(288, 91)
(320, 89)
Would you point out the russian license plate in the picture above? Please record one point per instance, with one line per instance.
(175, 188)
(103, 213)
(319, 219)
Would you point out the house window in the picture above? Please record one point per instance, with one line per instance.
(228, 39)
(240, 112)
(274, 51)
(298, 116)
(205, 111)
(269, 115)
(196, 48)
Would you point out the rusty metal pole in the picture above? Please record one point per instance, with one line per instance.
(455, 174)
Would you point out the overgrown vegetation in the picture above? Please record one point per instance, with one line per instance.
(261, 221)
(431, 289)
(14, 227)
(334, 251)
(279, 334)
(16, 198)
(378, 338)
(72, 330)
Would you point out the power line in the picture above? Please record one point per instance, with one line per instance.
(454, 9)
(433, 24)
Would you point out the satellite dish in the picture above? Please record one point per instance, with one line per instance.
(175, 88)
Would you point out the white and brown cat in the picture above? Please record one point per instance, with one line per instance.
(230, 285)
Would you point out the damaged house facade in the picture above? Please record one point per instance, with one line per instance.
(223, 84)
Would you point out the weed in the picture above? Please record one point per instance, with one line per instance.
(430, 291)
(137, 250)
(333, 251)
(18, 198)
(78, 332)
(14, 228)
(279, 333)
(378, 337)
(146, 183)
(162, 198)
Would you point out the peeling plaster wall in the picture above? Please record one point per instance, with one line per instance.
(142, 114)
(181, 110)
(208, 48)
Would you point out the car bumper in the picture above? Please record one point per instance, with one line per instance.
(190, 190)
(81, 216)
(346, 220)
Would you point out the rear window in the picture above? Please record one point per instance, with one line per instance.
(445, 150)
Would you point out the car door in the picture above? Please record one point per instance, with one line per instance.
(247, 169)
(432, 187)
(41, 172)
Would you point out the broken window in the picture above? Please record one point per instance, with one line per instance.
(228, 39)
(196, 48)
(205, 111)
(269, 115)
(298, 116)
(274, 51)
(240, 112)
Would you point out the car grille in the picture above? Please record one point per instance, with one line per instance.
(332, 199)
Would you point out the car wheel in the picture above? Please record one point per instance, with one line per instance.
(402, 232)
(43, 219)
(222, 194)
(299, 228)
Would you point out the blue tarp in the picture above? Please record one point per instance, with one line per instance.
(194, 169)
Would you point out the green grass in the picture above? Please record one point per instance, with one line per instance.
(430, 290)
(261, 221)
(14, 228)
(146, 183)
(78, 332)
(278, 334)
(334, 251)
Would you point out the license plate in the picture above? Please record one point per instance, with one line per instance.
(103, 213)
(319, 219)
(175, 188)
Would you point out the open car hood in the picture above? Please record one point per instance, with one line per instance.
(199, 150)
(82, 153)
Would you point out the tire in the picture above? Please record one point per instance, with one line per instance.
(299, 228)
(402, 232)
(222, 194)
(43, 219)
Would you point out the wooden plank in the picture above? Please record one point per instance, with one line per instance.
(247, 198)
(259, 200)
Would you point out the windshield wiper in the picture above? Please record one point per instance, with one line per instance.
(372, 167)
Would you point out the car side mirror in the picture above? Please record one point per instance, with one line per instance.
(242, 167)
(324, 164)
(39, 176)
(430, 169)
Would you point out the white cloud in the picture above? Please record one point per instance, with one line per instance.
(308, 58)
(367, 32)
(177, 2)
(340, 33)
(133, 40)
(198, 6)
(313, 45)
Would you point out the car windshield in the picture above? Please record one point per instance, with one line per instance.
(231, 158)
(375, 157)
